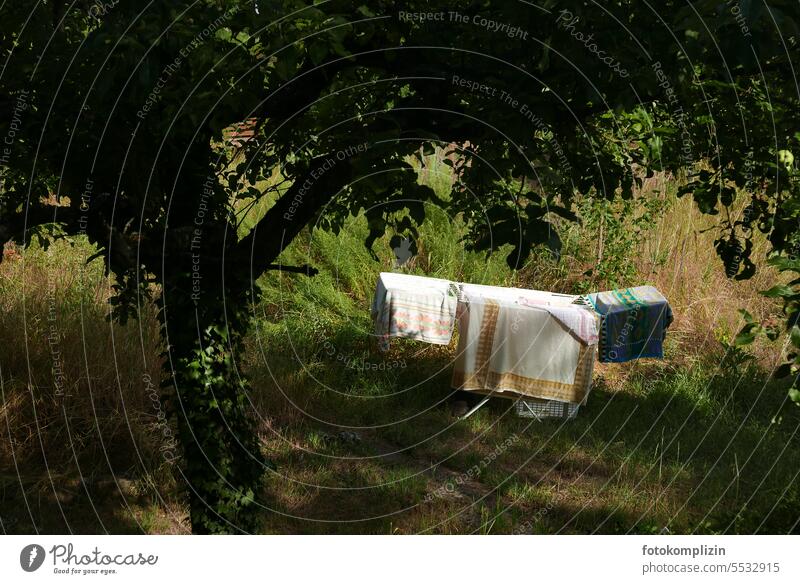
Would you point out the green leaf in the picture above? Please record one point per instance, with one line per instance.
(743, 339)
(748, 318)
(784, 263)
(779, 291)
(794, 335)
(748, 334)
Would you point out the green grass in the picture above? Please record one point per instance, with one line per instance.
(701, 442)
(679, 445)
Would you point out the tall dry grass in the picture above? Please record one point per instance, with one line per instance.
(706, 303)
(76, 400)
(75, 395)
(77, 389)
(676, 254)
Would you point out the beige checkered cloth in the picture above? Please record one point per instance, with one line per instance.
(513, 350)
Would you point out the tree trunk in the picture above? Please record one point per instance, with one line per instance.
(205, 300)
(203, 325)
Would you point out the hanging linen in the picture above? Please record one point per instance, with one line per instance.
(634, 323)
(520, 350)
(414, 307)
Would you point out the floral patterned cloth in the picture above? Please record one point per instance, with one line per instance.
(414, 307)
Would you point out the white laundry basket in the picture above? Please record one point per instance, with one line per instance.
(545, 409)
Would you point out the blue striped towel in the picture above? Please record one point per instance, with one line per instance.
(633, 325)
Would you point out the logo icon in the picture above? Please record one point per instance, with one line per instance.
(31, 557)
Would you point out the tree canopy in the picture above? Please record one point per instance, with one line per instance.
(114, 115)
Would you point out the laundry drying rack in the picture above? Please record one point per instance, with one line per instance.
(551, 387)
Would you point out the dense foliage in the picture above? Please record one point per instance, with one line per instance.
(113, 116)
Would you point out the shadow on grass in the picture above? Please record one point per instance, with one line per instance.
(681, 451)
(64, 505)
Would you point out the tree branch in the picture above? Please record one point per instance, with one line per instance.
(303, 269)
(324, 178)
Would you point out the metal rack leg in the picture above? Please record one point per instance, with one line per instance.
(476, 408)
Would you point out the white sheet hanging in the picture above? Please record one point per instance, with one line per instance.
(414, 307)
(507, 346)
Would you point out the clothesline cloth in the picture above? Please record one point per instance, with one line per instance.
(516, 350)
(579, 320)
(634, 323)
(414, 307)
